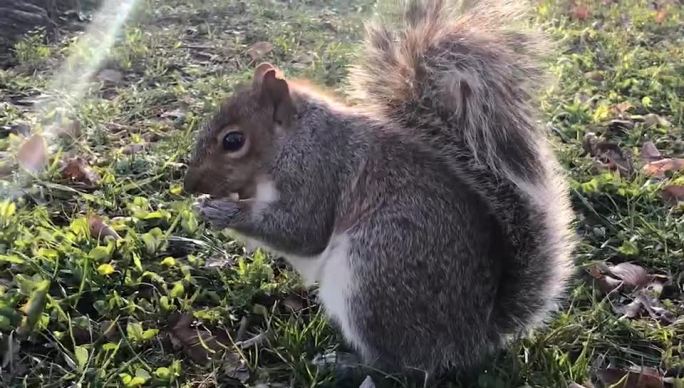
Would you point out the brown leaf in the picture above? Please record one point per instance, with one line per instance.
(595, 76)
(77, 170)
(646, 301)
(219, 261)
(201, 345)
(134, 148)
(69, 129)
(673, 194)
(660, 313)
(235, 367)
(580, 12)
(589, 143)
(631, 310)
(610, 156)
(173, 114)
(620, 125)
(653, 120)
(99, 229)
(109, 330)
(632, 275)
(258, 50)
(110, 75)
(632, 378)
(187, 338)
(196, 341)
(623, 107)
(658, 168)
(605, 282)
(151, 137)
(6, 168)
(661, 15)
(627, 276)
(81, 335)
(649, 152)
(294, 302)
(21, 129)
(33, 154)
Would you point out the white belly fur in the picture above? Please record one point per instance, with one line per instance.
(332, 270)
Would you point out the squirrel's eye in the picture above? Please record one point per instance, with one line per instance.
(233, 141)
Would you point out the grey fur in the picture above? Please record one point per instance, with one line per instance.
(457, 219)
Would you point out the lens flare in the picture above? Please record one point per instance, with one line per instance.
(69, 85)
(91, 49)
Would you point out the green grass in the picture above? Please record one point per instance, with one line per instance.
(80, 309)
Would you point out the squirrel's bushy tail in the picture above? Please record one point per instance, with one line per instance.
(477, 71)
(466, 82)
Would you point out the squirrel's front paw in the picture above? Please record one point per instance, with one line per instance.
(219, 213)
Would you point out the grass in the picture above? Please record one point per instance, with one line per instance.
(166, 304)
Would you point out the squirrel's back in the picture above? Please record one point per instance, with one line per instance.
(465, 83)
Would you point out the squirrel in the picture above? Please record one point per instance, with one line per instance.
(432, 214)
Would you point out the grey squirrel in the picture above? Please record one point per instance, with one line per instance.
(432, 214)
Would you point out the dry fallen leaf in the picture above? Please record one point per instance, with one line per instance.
(258, 50)
(20, 129)
(69, 129)
(636, 285)
(673, 194)
(609, 156)
(649, 152)
(32, 155)
(98, 229)
(631, 310)
(580, 12)
(605, 283)
(172, 114)
(110, 75)
(77, 170)
(622, 107)
(632, 275)
(595, 76)
(589, 143)
(151, 137)
(627, 276)
(646, 300)
(618, 125)
(219, 261)
(186, 337)
(294, 302)
(201, 345)
(134, 148)
(661, 15)
(235, 367)
(109, 330)
(652, 120)
(632, 378)
(658, 168)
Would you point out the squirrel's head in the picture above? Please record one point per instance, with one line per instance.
(237, 145)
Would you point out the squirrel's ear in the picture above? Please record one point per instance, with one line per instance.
(259, 73)
(276, 93)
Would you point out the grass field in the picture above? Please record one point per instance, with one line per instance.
(108, 279)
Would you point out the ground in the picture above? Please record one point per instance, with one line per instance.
(108, 279)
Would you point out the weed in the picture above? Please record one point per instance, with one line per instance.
(119, 284)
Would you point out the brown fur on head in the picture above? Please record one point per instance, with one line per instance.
(237, 144)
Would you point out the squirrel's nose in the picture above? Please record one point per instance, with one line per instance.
(191, 182)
